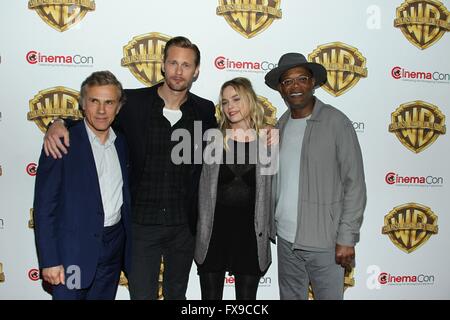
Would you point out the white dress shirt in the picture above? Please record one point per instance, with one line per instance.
(109, 175)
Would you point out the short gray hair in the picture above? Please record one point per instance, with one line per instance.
(101, 78)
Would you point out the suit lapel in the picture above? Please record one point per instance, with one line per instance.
(88, 160)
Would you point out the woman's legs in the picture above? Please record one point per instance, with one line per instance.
(211, 285)
(246, 286)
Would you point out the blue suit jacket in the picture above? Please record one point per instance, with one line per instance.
(68, 209)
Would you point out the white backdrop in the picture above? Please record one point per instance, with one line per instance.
(383, 271)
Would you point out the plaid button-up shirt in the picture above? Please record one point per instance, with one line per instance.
(161, 197)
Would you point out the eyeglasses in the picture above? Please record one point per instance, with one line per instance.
(290, 82)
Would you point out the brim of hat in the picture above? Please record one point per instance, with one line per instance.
(319, 72)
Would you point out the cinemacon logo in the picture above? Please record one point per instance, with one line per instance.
(224, 63)
(36, 57)
(378, 278)
(263, 282)
(393, 178)
(31, 169)
(402, 73)
(386, 278)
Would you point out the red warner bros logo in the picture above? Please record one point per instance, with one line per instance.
(61, 14)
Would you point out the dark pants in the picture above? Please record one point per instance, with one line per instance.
(106, 279)
(211, 285)
(176, 245)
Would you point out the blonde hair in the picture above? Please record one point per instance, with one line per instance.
(244, 89)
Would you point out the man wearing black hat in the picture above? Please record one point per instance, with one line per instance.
(319, 215)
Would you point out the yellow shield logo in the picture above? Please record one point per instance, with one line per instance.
(58, 102)
(123, 281)
(31, 221)
(270, 112)
(417, 124)
(249, 17)
(410, 225)
(423, 22)
(143, 55)
(2, 274)
(345, 66)
(61, 14)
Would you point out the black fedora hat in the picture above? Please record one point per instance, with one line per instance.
(292, 60)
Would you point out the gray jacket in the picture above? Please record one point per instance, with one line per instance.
(264, 211)
(332, 190)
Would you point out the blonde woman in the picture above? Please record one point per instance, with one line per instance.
(235, 214)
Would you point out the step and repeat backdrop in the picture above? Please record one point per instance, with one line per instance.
(388, 71)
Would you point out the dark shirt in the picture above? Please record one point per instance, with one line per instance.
(162, 192)
(233, 246)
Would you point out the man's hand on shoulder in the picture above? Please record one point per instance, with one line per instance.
(52, 139)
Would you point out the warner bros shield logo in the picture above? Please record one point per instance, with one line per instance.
(422, 22)
(60, 102)
(61, 14)
(345, 66)
(410, 225)
(249, 17)
(2, 274)
(417, 125)
(143, 55)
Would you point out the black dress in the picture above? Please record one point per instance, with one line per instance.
(233, 246)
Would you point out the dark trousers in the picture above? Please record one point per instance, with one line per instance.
(106, 279)
(211, 285)
(149, 242)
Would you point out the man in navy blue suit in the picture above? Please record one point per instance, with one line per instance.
(82, 201)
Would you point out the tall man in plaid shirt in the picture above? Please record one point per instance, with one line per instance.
(164, 194)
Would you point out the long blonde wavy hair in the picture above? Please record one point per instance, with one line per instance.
(245, 90)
